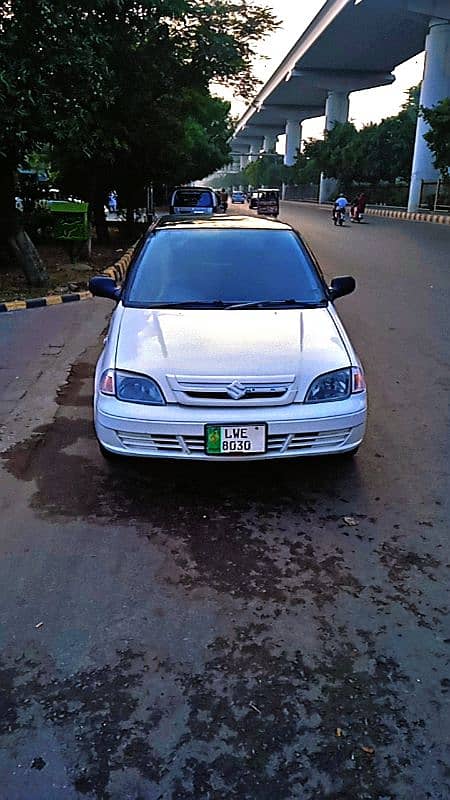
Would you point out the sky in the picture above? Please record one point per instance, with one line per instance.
(365, 107)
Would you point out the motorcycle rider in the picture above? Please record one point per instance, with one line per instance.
(358, 206)
(340, 204)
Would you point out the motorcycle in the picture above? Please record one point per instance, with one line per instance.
(339, 216)
(356, 215)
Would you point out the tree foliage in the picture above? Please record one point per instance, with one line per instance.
(378, 152)
(268, 170)
(438, 137)
(120, 88)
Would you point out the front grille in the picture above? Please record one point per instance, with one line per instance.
(251, 391)
(162, 443)
(166, 444)
(219, 394)
(299, 442)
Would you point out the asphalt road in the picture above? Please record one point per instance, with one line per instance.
(198, 632)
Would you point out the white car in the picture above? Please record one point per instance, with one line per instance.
(225, 344)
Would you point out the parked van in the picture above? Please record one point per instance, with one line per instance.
(193, 200)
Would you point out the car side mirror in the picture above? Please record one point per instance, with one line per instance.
(103, 286)
(341, 286)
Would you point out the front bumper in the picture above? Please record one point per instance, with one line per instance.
(175, 431)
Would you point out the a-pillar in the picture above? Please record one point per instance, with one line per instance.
(336, 110)
(435, 86)
(293, 139)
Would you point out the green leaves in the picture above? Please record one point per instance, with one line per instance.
(381, 152)
(120, 88)
(268, 170)
(438, 137)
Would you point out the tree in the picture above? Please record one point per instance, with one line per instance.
(268, 170)
(378, 152)
(47, 70)
(385, 151)
(306, 169)
(104, 83)
(438, 137)
(335, 156)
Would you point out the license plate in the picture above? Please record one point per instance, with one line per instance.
(235, 440)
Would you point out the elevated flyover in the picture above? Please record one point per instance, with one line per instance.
(350, 45)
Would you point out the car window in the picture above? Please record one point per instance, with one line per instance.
(191, 199)
(207, 265)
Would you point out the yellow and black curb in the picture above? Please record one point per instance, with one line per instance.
(117, 271)
(412, 216)
(120, 268)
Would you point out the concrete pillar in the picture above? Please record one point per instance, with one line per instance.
(255, 150)
(435, 86)
(336, 110)
(270, 142)
(244, 159)
(293, 139)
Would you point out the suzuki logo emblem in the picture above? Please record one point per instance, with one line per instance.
(236, 390)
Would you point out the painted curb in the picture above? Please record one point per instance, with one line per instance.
(116, 271)
(411, 216)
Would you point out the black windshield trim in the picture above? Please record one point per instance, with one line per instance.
(200, 305)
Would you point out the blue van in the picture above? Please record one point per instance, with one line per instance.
(193, 200)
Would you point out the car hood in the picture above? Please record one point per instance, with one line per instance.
(237, 344)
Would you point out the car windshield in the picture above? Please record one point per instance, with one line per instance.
(191, 199)
(223, 266)
(272, 196)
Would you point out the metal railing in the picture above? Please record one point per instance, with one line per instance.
(308, 192)
(435, 196)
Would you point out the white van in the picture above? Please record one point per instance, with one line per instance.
(193, 200)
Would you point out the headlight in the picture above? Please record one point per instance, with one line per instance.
(131, 388)
(138, 389)
(337, 385)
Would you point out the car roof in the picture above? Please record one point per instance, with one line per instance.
(220, 221)
(193, 189)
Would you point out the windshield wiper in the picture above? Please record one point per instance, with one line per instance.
(276, 303)
(189, 304)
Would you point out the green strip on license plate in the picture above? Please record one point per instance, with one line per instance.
(214, 440)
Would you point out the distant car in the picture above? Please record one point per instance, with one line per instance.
(238, 197)
(193, 200)
(206, 360)
(253, 201)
